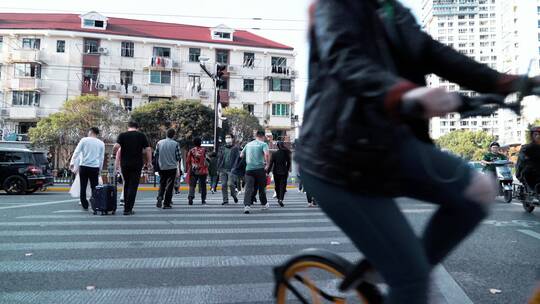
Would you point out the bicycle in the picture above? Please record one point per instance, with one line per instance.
(325, 277)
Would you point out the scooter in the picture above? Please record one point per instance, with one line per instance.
(529, 197)
(504, 178)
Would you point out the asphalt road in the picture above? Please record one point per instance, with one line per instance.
(53, 252)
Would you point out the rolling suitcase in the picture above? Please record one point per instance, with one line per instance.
(104, 198)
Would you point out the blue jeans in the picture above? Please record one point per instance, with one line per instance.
(381, 232)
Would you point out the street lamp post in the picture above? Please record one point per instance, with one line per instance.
(202, 63)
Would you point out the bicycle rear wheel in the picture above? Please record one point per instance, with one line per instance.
(314, 276)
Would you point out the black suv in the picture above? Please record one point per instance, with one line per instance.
(23, 171)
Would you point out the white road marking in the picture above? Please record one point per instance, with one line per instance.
(449, 288)
(39, 204)
(530, 233)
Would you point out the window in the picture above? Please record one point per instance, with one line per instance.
(249, 85)
(25, 98)
(60, 46)
(194, 54)
(249, 60)
(163, 77)
(14, 157)
(280, 109)
(280, 85)
(128, 49)
(222, 35)
(2, 41)
(91, 46)
(31, 43)
(162, 52)
(94, 23)
(126, 77)
(90, 73)
(250, 108)
(27, 70)
(127, 104)
(222, 56)
(279, 61)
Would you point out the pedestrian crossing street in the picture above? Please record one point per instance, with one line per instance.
(188, 254)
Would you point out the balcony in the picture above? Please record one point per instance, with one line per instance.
(25, 55)
(26, 113)
(162, 63)
(282, 122)
(158, 90)
(25, 84)
(280, 96)
(284, 71)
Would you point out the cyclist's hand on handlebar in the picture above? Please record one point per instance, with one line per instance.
(433, 101)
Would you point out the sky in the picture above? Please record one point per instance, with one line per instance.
(287, 24)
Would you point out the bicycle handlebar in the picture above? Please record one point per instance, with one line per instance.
(487, 104)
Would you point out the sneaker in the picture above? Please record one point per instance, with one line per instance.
(203, 203)
(129, 212)
(247, 209)
(235, 200)
(167, 207)
(224, 203)
(190, 202)
(266, 207)
(281, 203)
(311, 205)
(158, 204)
(275, 195)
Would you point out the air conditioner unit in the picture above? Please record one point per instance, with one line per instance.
(176, 64)
(114, 87)
(294, 73)
(102, 87)
(232, 94)
(232, 69)
(103, 51)
(135, 89)
(203, 94)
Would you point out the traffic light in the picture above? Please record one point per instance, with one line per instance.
(220, 73)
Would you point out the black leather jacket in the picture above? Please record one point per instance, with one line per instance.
(528, 164)
(361, 63)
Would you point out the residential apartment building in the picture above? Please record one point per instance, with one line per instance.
(48, 58)
(483, 30)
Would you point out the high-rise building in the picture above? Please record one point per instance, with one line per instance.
(46, 59)
(490, 32)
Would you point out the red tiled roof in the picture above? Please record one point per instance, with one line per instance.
(132, 27)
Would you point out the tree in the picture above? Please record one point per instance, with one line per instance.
(241, 124)
(467, 144)
(189, 118)
(64, 129)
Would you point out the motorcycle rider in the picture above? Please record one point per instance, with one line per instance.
(492, 156)
(528, 165)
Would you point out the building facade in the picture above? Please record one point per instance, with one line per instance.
(48, 58)
(491, 32)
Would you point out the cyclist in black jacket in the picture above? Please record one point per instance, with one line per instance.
(359, 147)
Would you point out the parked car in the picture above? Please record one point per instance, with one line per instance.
(21, 171)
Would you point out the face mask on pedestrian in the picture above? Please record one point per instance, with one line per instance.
(228, 140)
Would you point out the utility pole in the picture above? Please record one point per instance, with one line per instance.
(218, 81)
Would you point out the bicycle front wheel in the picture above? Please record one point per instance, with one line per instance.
(314, 276)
